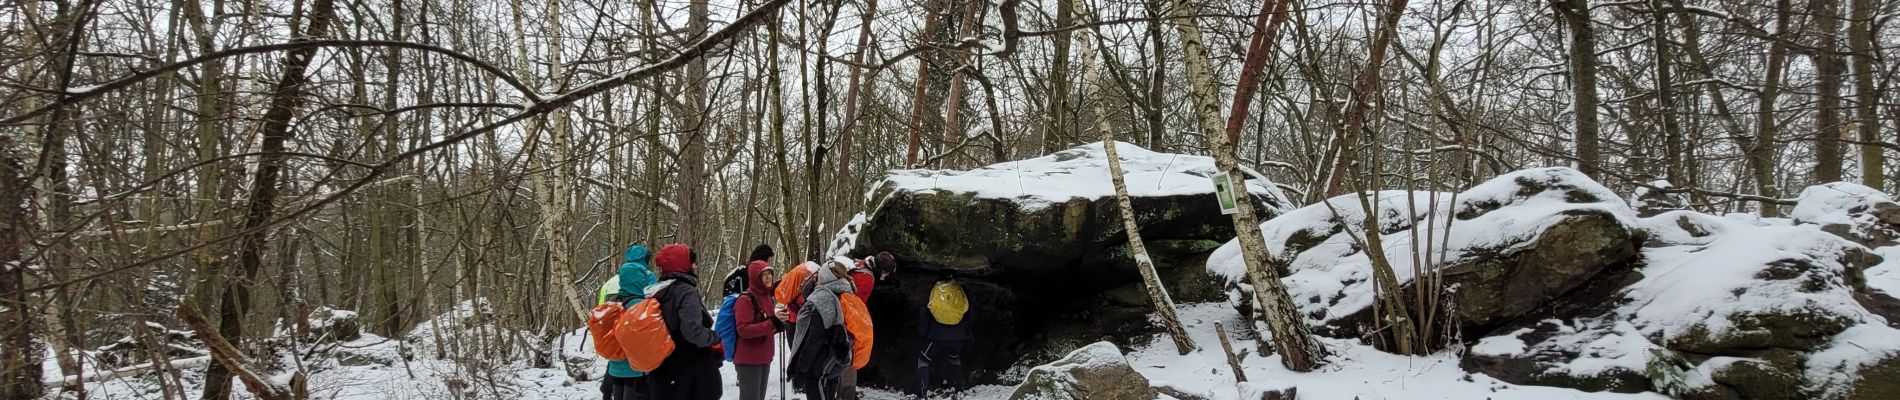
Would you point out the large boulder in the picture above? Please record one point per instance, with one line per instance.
(1503, 249)
(1040, 247)
(1730, 307)
(1096, 371)
(329, 325)
(1868, 217)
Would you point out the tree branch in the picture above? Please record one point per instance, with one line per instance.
(75, 96)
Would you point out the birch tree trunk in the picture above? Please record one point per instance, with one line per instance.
(556, 187)
(1299, 351)
(1157, 294)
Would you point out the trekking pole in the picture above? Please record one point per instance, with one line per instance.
(781, 367)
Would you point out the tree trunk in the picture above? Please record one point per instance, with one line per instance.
(953, 103)
(1666, 98)
(692, 176)
(1583, 84)
(1392, 301)
(20, 369)
(854, 98)
(555, 190)
(261, 208)
(1761, 153)
(788, 233)
(1157, 294)
(923, 84)
(1299, 351)
(1828, 68)
(1860, 36)
(1159, 77)
(1058, 112)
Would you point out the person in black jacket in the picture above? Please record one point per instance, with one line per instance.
(821, 347)
(943, 350)
(691, 372)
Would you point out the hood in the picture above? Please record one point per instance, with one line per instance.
(634, 274)
(832, 282)
(676, 258)
(755, 278)
(639, 254)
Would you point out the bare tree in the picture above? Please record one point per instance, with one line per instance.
(1298, 350)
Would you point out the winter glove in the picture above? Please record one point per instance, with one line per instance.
(719, 349)
(777, 325)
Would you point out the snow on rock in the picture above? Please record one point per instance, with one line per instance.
(1095, 371)
(1885, 277)
(1508, 245)
(847, 236)
(1502, 345)
(1835, 203)
(1746, 286)
(1851, 211)
(1588, 354)
(1723, 307)
(1042, 243)
(1076, 173)
(1861, 362)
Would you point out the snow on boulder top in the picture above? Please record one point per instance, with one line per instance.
(1080, 172)
(1743, 273)
(1491, 218)
(1835, 203)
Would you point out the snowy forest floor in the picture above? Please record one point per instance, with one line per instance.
(1356, 372)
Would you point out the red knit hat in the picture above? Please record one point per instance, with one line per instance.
(675, 258)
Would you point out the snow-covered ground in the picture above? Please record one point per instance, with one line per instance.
(1357, 371)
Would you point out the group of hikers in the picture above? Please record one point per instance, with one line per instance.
(662, 343)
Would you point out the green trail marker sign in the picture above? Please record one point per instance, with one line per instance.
(1224, 191)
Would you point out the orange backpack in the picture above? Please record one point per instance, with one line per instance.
(857, 320)
(787, 291)
(600, 325)
(643, 337)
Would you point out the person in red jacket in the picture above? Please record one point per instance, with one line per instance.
(759, 322)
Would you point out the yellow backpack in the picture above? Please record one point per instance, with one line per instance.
(947, 303)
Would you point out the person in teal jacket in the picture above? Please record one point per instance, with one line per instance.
(627, 287)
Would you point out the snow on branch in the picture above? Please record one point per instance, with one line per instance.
(635, 192)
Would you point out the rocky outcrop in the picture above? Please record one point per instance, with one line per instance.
(1040, 248)
(1724, 308)
(1507, 248)
(1562, 284)
(1096, 371)
(329, 325)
